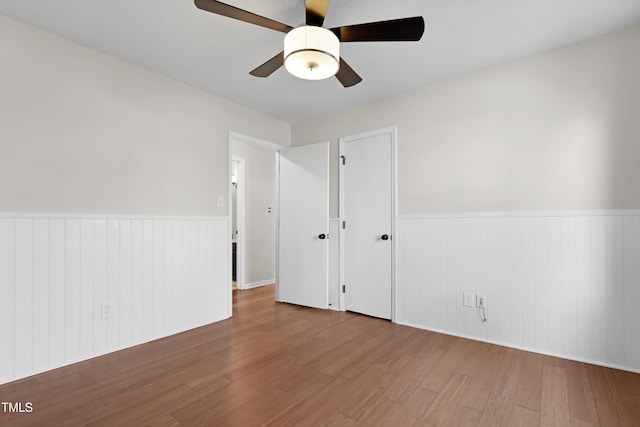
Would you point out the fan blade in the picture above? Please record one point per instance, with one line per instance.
(266, 69)
(316, 11)
(241, 15)
(346, 75)
(395, 30)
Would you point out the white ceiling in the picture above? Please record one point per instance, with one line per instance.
(214, 53)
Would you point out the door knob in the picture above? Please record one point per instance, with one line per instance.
(322, 236)
(385, 237)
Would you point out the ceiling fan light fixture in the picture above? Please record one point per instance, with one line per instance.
(311, 53)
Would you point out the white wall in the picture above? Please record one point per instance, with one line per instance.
(558, 130)
(81, 132)
(109, 176)
(554, 132)
(260, 213)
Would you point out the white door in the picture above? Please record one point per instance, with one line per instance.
(303, 247)
(368, 211)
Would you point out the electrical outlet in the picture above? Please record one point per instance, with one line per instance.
(468, 299)
(106, 309)
(481, 301)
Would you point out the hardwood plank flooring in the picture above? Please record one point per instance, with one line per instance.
(279, 365)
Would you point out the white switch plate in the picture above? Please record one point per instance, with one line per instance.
(468, 299)
(221, 201)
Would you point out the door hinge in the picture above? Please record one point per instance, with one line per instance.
(344, 224)
(344, 288)
(344, 159)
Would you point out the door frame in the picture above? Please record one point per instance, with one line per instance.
(236, 136)
(393, 132)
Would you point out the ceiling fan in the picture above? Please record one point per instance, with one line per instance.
(312, 52)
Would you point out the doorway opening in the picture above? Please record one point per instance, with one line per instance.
(237, 219)
(252, 211)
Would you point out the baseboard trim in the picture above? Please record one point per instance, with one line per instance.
(531, 350)
(258, 284)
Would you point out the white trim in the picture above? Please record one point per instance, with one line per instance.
(393, 131)
(517, 347)
(341, 214)
(394, 240)
(229, 243)
(277, 293)
(43, 215)
(255, 141)
(334, 264)
(521, 214)
(240, 223)
(258, 284)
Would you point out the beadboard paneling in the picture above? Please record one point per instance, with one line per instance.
(566, 284)
(160, 275)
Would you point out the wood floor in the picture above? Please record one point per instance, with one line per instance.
(278, 364)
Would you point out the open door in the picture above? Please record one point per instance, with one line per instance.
(303, 246)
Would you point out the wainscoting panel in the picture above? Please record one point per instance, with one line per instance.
(150, 277)
(560, 283)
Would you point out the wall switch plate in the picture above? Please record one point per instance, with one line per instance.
(468, 299)
(481, 301)
(221, 201)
